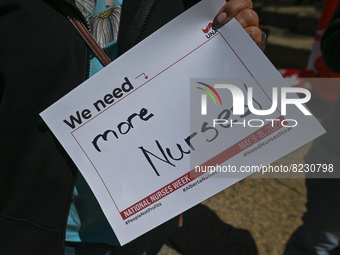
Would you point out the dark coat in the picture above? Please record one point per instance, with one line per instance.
(42, 58)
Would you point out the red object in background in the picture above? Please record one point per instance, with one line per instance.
(292, 76)
(316, 67)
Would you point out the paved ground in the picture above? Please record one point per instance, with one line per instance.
(256, 215)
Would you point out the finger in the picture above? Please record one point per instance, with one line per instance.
(248, 18)
(230, 10)
(255, 33)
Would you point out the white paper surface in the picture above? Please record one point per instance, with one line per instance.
(156, 96)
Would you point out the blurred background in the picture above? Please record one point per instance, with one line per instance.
(258, 215)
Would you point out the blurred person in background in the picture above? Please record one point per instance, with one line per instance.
(320, 232)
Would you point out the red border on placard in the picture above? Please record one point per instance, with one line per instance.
(191, 175)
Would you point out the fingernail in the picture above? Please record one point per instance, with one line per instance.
(220, 18)
(217, 22)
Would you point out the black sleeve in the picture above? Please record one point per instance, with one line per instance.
(330, 43)
(188, 3)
